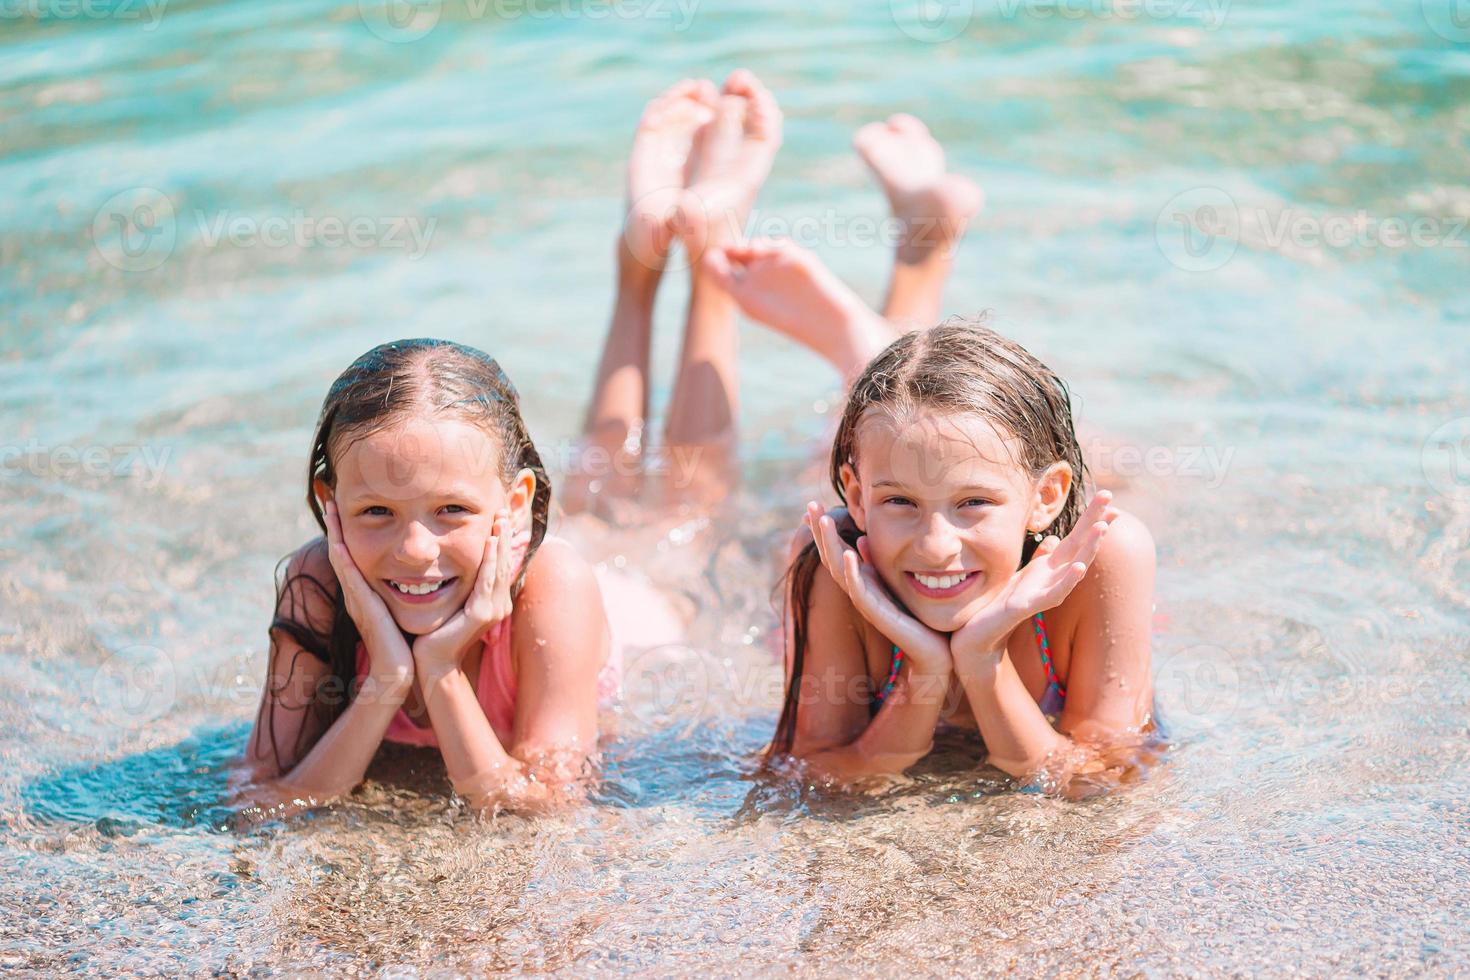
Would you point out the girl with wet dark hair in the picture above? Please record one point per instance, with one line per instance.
(434, 610)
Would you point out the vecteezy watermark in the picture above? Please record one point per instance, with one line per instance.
(133, 686)
(1445, 458)
(1198, 686)
(1200, 230)
(141, 462)
(932, 21)
(404, 21)
(138, 229)
(149, 12)
(1208, 463)
(669, 685)
(417, 457)
(1209, 14)
(1450, 19)
(650, 219)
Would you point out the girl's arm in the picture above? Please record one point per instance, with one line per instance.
(1108, 689)
(561, 641)
(835, 734)
(289, 759)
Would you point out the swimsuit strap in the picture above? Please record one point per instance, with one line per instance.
(887, 688)
(1037, 622)
(1051, 671)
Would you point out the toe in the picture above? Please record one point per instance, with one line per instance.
(904, 123)
(867, 135)
(742, 81)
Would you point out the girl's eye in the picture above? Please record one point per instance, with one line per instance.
(976, 502)
(456, 509)
(377, 510)
(900, 501)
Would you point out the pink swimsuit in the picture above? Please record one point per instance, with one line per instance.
(495, 686)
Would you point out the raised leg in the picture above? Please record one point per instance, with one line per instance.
(932, 209)
(731, 159)
(658, 170)
(788, 288)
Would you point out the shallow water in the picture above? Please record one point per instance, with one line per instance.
(1292, 417)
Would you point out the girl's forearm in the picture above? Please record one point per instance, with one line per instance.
(1017, 735)
(340, 758)
(900, 734)
(473, 755)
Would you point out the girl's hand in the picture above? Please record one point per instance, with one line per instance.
(387, 651)
(488, 603)
(854, 573)
(1049, 577)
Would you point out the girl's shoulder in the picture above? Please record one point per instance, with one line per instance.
(559, 571)
(305, 590)
(1123, 569)
(1127, 550)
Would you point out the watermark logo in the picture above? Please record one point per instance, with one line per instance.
(1197, 687)
(1199, 230)
(136, 230)
(1450, 19)
(932, 21)
(400, 21)
(1445, 458)
(1210, 464)
(668, 686)
(405, 21)
(1209, 14)
(134, 686)
(150, 12)
(145, 463)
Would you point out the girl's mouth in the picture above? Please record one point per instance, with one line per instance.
(420, 593)
(944, 586)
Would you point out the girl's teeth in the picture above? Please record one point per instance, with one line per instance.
(939, 581)
(424, 589)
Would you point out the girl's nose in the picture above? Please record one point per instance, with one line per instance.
(939, 542)
(419, 546)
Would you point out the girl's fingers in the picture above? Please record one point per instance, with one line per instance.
(837, 549)
(1047, 546)
(503, 570)
(858, 588)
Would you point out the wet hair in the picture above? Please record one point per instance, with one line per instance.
(389, 385)
(957, 368)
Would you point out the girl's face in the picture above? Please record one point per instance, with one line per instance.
(946, 507)
(417, 502)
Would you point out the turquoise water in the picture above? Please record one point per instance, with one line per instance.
(1292, 416)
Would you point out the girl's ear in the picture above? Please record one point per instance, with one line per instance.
(852, 490)
(1050, 496)
(522, 495)
(322, 491)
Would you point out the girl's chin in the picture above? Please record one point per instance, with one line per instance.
(419, 625)
(947, 616)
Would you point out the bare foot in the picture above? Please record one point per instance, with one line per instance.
(732, 158)
(787, 287)
(934, 206)
(659, 166)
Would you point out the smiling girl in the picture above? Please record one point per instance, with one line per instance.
(971, 582)
(434, 610)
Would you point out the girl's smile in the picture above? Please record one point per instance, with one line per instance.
(941, 585)
(421, 591)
